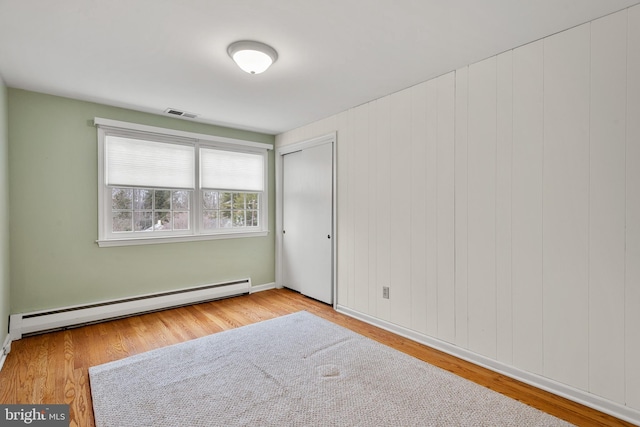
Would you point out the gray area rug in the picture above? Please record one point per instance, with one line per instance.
(296, 370)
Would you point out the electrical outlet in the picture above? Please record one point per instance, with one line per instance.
(385, 292)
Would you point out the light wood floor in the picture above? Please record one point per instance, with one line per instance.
(52, 368)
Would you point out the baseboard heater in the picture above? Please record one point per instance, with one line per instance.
(25, 324)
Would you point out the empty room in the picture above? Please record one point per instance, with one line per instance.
(322, 213)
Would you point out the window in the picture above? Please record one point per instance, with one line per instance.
(158, 185)
(149, 210)
(229, 210)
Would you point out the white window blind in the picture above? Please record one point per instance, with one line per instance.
(231, 170)
(142, 163)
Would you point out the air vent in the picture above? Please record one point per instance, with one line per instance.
(175, 112)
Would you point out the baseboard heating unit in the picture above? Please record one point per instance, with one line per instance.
(24, 324)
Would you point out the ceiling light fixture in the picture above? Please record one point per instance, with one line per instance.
(251, 56)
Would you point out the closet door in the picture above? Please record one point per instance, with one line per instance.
(307, 221)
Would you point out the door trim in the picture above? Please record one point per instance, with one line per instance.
(291, 148)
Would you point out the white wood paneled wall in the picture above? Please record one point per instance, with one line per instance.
(607, 202)
(632, 259)
(565, 207)
(461, 161)
(526, 207)
(481, 209)
(501, 205)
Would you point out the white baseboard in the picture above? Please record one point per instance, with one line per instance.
(580, 396)
(4, 351)
(45, 320)
(260, 288)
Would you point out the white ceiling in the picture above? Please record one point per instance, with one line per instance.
(151, 55)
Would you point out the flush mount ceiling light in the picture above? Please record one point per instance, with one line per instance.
(251, 56)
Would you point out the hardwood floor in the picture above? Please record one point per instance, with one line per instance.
(53, 368)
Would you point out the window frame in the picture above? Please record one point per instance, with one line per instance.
(107, 238)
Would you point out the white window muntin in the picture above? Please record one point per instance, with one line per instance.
(164, 220)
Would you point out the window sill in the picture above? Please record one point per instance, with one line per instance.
(177, 239)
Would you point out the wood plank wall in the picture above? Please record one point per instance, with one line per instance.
(632, 254)
(501, 205)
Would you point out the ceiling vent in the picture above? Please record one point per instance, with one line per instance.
(179, 113)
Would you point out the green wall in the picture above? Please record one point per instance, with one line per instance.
(55, 261)
(4, 215)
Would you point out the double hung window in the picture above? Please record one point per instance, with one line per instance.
(158, 185)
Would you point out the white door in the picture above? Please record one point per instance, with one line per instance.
(307, 212)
